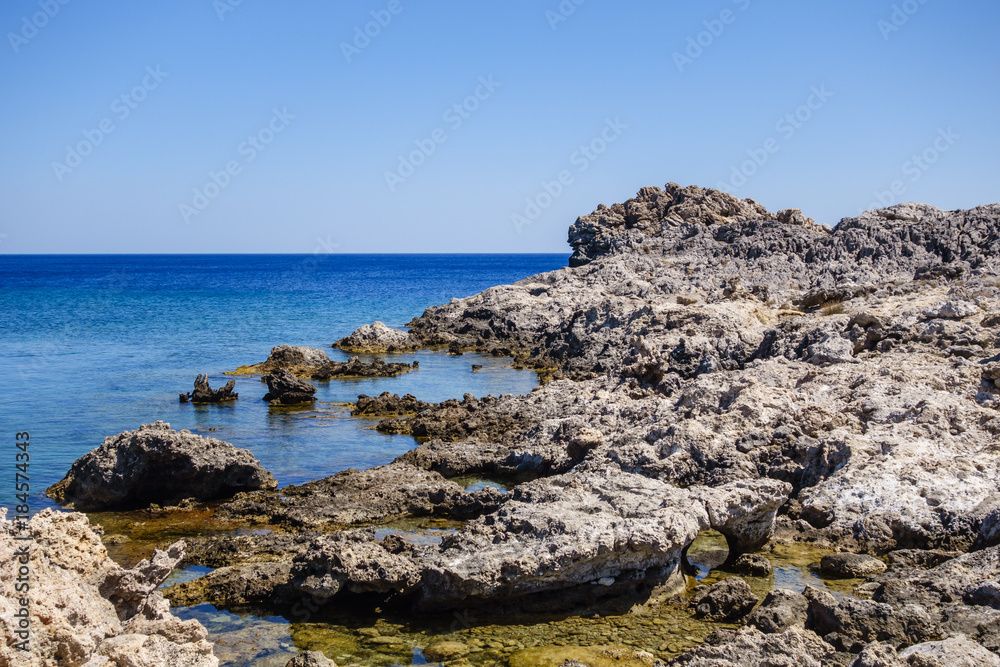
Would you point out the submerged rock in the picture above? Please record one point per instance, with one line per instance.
(298, 360)
(377, 337)
(311, 659)
(283, 388)
(155, 464)
(85, 609)
(203, 393)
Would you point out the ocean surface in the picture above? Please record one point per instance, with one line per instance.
(94, 345)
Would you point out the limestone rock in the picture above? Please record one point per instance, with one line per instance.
(377, 337)
(203, 393)
(311, 659)
(85, 609)
(851, 565)
(728, 600)
(156, 464)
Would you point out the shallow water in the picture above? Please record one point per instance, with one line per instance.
(95, 345)
(662, 628)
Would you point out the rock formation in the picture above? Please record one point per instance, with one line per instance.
(377, 337)
(85, 609)
(308, 362)
(203, 393)
(155, 464)
(283, 388)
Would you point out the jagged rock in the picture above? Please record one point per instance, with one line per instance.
(386, 404)
(581, 527)
(298, 360)
(781, 609)
(728, 600)
(355, 497)
(283, 388)
(85, 609)
(203, 393)
(878, 655)
(377, 337)
(851, 565)
(848, 621)
(354, 367)
(753, 565)
(749, 647)
(952, 652)
(311, 659)
(454, 420)
(952, 310)
(155, 464)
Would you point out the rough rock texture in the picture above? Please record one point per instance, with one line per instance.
(781, 609)
(749, 647)
(203, 393)
(753, 565)
(851, 565)
(454, 420)
(386, 404)
(377, 337)
(155, 464)
(283, 388)
(728, 600)
(311, 363)
(85, 609)
(952, 652)
(311, 659)
(355, 497)
(298, 360)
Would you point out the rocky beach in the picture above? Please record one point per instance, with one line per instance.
(712, 373)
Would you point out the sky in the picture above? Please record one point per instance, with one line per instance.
(253, 126)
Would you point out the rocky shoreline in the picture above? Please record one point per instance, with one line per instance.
(708, 365)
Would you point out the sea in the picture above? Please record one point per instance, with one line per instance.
(93, 345)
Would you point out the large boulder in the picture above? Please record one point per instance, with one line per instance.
(86, 609)
(377, 337)
(155, 464)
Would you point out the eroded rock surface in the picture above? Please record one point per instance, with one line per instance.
(283, 388)
(85, 609)
(377, 337)
(155, 464)
(203, 393)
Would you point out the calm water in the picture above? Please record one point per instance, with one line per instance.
(95, 345)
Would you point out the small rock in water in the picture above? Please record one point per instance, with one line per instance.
(311, 659)
(727, 600)
(753, 565)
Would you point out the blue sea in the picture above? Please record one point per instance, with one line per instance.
(95, 345)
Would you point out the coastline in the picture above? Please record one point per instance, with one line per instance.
(707, 365)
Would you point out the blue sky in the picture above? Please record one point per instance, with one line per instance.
(255, 126)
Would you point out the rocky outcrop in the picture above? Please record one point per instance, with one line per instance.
(283, 388)
(355, 368)
(311, 659)
(299, 360)
(203, 393)
(84, 608)
(355, 497)
(388, 405)
(155, 464)
(313, 364)
(454, 420)
(377, 337)
(749, 647)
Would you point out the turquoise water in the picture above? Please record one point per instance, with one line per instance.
(94, 345)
